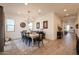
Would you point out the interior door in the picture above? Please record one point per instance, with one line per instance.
(2, 29)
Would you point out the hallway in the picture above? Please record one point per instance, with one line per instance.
(53, 47)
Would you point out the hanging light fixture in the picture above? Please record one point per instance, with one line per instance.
(28, 18)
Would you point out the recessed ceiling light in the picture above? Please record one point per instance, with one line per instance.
(65, 9)
(67, 14)
(39, 10)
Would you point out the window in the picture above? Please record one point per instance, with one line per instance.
(68, 27)
(30, 26)
(10, 25)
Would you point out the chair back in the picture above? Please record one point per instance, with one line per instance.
(27, 34)
(40, 36)
(23, 33)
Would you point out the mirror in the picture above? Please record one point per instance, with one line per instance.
(22, 24)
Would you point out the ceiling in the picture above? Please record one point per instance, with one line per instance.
(41, 8)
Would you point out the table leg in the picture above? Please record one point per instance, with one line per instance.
(32, 42)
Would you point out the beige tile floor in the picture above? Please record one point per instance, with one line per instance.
(65, 46)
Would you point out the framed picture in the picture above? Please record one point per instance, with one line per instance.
(38, 25)
(45, 24)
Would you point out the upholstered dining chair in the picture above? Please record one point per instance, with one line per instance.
(23, 36)
(28, 39)
(40, 40)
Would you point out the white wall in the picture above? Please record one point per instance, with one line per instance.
(17, 33)
(77, 18)
(53, 22)
(57, 22)
(49, 31)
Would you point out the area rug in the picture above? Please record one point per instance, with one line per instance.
(19, 45)
(23, 47)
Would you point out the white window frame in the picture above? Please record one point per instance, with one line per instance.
(7, 26)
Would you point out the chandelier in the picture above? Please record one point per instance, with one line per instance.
(28, 18)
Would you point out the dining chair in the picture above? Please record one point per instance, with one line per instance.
(40, 40)
(28, 39)
(23, 36)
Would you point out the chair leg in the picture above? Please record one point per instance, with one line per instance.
(29, 43)
(34, 42)
(39, 44)
(42, 43)
(26, 41)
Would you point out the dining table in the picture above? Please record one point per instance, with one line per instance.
(33, 35)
